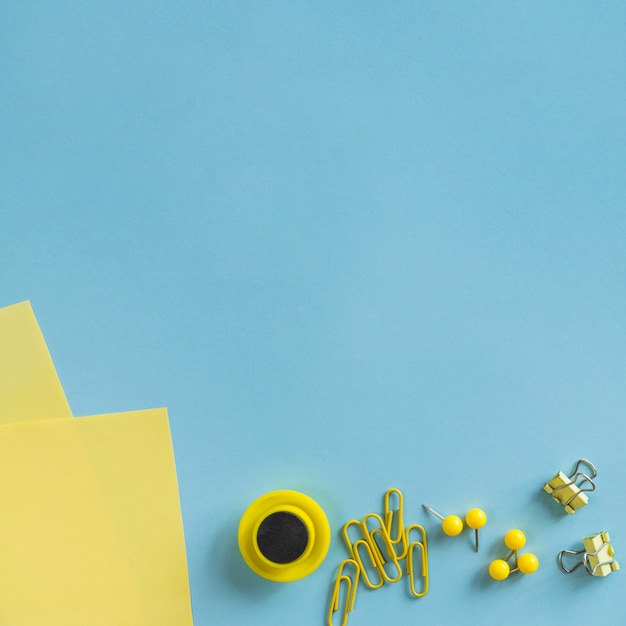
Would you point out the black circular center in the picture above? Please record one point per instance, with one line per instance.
(282, 537)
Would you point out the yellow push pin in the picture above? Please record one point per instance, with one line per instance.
(476, 518)
(451, 525)
(515, 539)
(499, 569)
(526, 563)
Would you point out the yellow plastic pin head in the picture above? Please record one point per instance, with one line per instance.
(527, 563)
(476, 518)
(515, 539)
(452, 525)
(499, 569)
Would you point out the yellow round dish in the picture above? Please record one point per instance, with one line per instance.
(309, 518)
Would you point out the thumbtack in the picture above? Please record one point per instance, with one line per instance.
(452, 525)
(476, 518)
(526, 563)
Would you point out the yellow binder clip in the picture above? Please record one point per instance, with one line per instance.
(350, 584)
(568, 490)
(598, 556)
(422, 545)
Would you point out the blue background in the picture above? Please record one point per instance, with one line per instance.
(350, 246)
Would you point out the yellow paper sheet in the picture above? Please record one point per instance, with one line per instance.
(29, 385)
(91, 531)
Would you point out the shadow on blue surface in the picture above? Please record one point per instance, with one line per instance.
(226, 558)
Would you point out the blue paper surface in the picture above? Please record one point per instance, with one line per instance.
(351, 247)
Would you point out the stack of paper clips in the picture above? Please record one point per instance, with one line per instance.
(377, 556)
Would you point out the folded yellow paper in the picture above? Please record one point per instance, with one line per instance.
(91, 530)
(29, 385)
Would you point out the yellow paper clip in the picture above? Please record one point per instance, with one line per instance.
(389, 517)
(356, 548)
(526, 563)
(371, 536)
(568, 491)
(598, 556)
(410, 560)
(350, 585)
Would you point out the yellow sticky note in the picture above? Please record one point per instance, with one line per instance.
(29, 386)
(91, 531)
